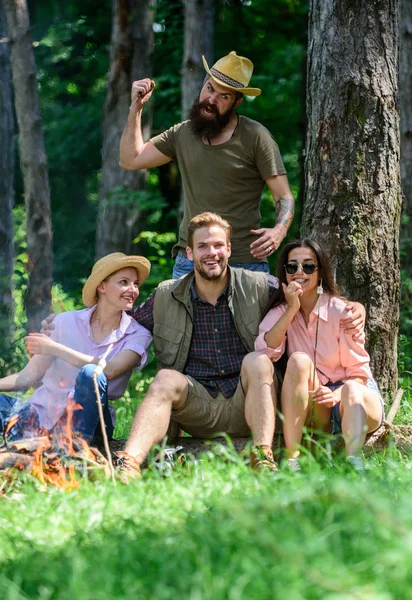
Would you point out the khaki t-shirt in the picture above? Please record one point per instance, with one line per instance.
(227, 179)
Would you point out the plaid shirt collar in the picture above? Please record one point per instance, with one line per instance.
(189, 280)
(197, 298)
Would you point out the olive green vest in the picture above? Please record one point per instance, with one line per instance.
(248, 296)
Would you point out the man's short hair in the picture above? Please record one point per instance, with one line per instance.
(207, 219)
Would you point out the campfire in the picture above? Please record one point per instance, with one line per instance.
(60, 458)
(54, 459)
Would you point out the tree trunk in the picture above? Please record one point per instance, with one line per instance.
(198, 40)
(353, 199)
(34, 165)
(405, 102)
(6, 192)
(130, 59)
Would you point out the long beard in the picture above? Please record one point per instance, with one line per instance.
(208, 127)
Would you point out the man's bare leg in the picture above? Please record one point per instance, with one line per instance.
(257, 381)
(168, 390)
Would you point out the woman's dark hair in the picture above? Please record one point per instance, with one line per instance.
(324, 269)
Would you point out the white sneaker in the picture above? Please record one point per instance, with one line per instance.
(356, 463)
(293, 464)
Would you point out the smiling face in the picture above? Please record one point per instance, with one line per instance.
(120, 289)
(210, 253)
(303, 256)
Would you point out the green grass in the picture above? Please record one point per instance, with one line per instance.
(215, 530)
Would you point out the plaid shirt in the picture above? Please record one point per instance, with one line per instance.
(216, 351)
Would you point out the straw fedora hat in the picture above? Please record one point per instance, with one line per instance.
(110, 264)
(234, 72)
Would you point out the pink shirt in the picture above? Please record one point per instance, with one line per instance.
(338, 356)
(73, 330)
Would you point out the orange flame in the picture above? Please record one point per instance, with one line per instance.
(47, 465)
(49, 461)
(10, 424)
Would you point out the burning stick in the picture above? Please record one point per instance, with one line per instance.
(31, 445)
(8, 460)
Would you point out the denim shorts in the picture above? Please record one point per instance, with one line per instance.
(183, 266)
(335, 415)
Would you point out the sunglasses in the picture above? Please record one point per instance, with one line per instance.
(308, 268)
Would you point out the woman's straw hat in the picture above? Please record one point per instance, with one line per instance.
(110, 264)
(234, 72)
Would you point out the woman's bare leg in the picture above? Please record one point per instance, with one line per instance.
(361, 413)
(296, 403)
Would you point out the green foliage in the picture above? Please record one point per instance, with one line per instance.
(157, 250)
(71, 51)
(71, 43)
(144, 199)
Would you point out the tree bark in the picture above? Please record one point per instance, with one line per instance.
(33, 163)
(198, 41)
(130, 59)
(353, 200)
(405, 106)
(6, 191)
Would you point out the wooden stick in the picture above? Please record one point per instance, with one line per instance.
(9, 460)
(395, 406)
(30, 444)
(102, 423)
(312, 417)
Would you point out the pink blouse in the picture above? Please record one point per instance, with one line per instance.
(338, 355)
(73, 329)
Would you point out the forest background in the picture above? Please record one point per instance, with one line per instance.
(71, 43)
(212, 529)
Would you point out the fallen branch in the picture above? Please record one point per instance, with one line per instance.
(31, 444)
(395, 406)
(10, 460)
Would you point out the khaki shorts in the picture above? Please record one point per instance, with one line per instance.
(202, 415)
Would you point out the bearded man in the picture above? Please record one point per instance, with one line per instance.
(224, 158)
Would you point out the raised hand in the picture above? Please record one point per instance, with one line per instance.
(292, 293)
(142, 91)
